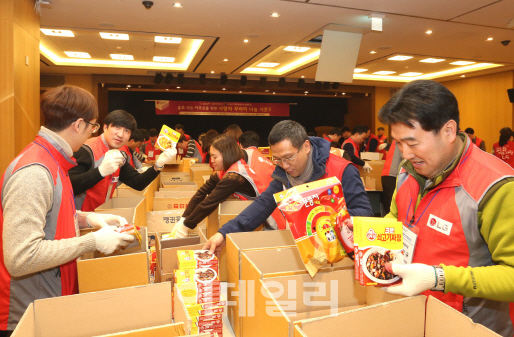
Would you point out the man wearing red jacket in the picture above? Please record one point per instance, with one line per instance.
(151, 152)
(334, 135)
(477, 141)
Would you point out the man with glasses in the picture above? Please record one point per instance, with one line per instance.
(300, 159)
(101, 164)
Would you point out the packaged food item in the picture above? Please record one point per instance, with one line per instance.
(130, 229)
(211, 317)
(193, 259)
(168, 138)
(198, 285)
(377, 242)
(316, 213)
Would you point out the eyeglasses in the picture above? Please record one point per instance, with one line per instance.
(96, 126)
(287, 161)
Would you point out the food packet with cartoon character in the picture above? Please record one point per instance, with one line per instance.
(168, 138)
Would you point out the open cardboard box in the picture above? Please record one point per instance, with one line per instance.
(135, 206)
(130, 193)
(375, 175)
(162, 221)
(261, 264)
(171, 168)
(98, 313)
(169, 185)
(236, 244)
(371, 155)
(411, 316)
(171, 177)
(196, 173)
(186, 163)
(281, 302)
(172, 200)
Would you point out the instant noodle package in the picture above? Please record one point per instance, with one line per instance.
(168, 138)
(130, 229)
(377, 242)
(319, 221)
(193, 259)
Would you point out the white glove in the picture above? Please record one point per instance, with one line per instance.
(417, 278)
(98, 220)
(113, 159)
(367, 168)
(180, 231)
(107, 240)
(382, 146)
(166, 156)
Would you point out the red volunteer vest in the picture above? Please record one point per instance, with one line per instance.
(355, 148)
(372, 136)
(15, 297)
(328, 138)
(380, 142)
(199, 149)
(104, 189)
(478, 141)
(455, 200)
(386, 171)
(505, 152)
(151, 150)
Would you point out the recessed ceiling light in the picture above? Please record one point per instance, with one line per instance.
(177, 5)
(127, 88)
(212, 72)
(77, 54)
(372, 52)
(428, 32)
(462, 63)
(178, 87)
(114, 36)
(57, 32)
(223, 89)
(306, 92)
(357, 70)
(225, 60)
(344, 93)
(205, 91)
(166, 39)
(163, 59)
(266, 90)
(268, 64)
(123, 57)
(296, 49)
(260, 70)
(399, 58)
(275, 15)
(273, 93)
(384, 72)
(303, 76)
(489, 39)
(245, 40)
(240, 91)
(411, 74)
(432, 60)
(167, 89)
(335, 94)
(462, 75)
(128, 85)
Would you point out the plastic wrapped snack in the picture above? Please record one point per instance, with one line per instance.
(198, 285)
(316, 212)
(168, 138)
(193, 259)
(130, 229)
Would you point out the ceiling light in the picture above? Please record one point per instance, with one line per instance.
(411, 74)
(462, 63)
(57, 32)
(113, 36)
(77, 54)
(212, 72)
(167, 89)
(383, 72)
(296, 49)
(399, 58)
(266, 90)
(273, 93)
(376, 21)
(357, 70)
(225, 60)
(303, 76)
(178, 87)
(123, 57)
(177, 5)
(128, 85)
(163, 59)
(462, 75)
(268, 64)
(372, 52)
(306, 92)
(240, 91)
(275, 15)
(260, 70)
(165, 39)
(432, 60)
(205, 91)
(223, 89)
(245, 40)
(344, 93)
(428, 32)
(489, 39)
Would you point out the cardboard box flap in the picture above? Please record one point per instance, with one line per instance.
(443, 320)
(168, 330)
(104, 312)
(375, 295)
(127, 213)
(178, 188)
(233, 207)
(26, 326)
(122, 203)
(174, 194)
(161, 221)
(266, 262)
(180, 311)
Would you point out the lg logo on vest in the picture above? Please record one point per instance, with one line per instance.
(439, 224)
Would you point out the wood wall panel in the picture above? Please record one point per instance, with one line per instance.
(25, 16)
(6, 92)
(382, 96)
(484, 104)
(360, 111)
(83, 81)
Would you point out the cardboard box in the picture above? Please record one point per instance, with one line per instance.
(266, 151)
(186, 163)
(262, 264)
(171, 168)
(281, 302)
(197, 172)
(179, 188)
(134, 209)
(371, 156)
(236, 244)
(130, 193)
(172, 200)
(175, 177)
(98, 313)
(169, 185)
(411, 316)
(375, 176)
(163, 221)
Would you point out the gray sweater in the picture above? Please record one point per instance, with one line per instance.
(26, 200)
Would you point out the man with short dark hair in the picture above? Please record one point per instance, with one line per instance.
(299, 160)
(249, 142)
(136, 139)
(101, 165)
(334, 135)
(455, 202)
(477, 141)
(191, 149)
(346, 133)
(371, 143)
(382, 137)
(352, 144)
(150, 151)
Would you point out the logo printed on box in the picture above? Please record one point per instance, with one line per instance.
(371, 235)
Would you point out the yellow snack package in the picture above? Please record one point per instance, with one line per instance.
(198, 285)
(193, 259)
(168, 138)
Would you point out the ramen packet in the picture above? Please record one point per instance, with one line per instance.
(316, 213)
(377, 241)
(198, 285)
(193, 259)
(168, 138)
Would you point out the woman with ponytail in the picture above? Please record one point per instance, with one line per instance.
(504, 149)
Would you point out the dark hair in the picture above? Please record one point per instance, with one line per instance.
(381, 128)
(229, 149)
(63, 105)
(153, 132)
(182, 139)
(249, 138)
(359, 129)
(469, 131)
(335, 144)
(367, 128)
(121, 118)
(424, 101)
(336, 131)
(290, 130)
(505, 135)
(234, 131)
(137, 136)
(312, 134)
(209, 138)
(201, 137)
(145, 134)
(179, 126)
(345, 129)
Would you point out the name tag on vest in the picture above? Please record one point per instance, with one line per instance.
(439, 224)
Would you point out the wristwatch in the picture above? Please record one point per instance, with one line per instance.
(440, 279)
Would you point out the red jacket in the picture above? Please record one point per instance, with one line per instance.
(505, 152)
(372, 136)
(151, 151)
(355, 148)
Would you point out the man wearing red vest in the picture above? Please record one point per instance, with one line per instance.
(190, 149)
(150, 150)
(382, 137)
(299, 160)
(352, 144)
(477, 141)
(389, 174)
(371, 143)
(136, 139)
(455, 203)
(334, 135)
(180, 128)
(101, 164)
(39, 225)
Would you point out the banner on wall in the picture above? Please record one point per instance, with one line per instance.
(220, 108)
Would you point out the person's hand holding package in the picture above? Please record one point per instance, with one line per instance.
(215, 244)
(107, 240)
(165, 157)
(180, 231)
(113, 159)
(417, 278)
(367, 168)
(98, 220)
